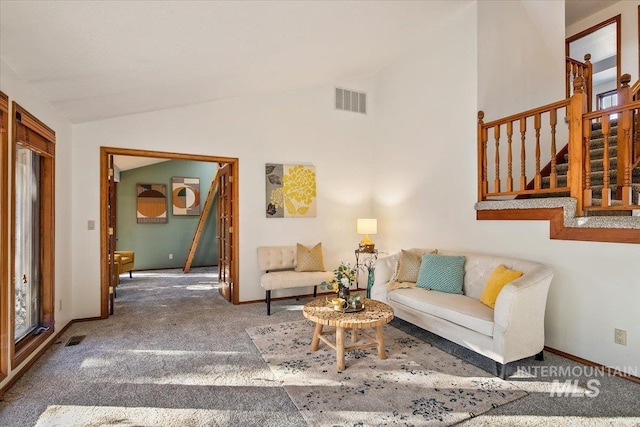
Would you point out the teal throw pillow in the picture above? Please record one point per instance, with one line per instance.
(442, 273)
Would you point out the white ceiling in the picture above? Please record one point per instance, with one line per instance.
(125, 163)
(98, 59)
(575, 10)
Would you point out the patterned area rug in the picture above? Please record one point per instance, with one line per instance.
(417, 385)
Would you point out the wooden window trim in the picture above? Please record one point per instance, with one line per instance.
(602, 95)
(4, 230)
(30, 132)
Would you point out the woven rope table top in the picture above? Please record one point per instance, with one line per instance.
(375, 313)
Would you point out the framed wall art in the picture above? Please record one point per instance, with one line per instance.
(290, 191)
(185, 195)
(151, 203)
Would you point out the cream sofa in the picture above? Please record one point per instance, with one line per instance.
(512, 331)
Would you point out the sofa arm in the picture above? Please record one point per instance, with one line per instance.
(385, 267)
(519, 315)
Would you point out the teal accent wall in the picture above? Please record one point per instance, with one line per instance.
(153, 243)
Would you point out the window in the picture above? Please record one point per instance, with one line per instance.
(4, 229)
(33, 237)
(607, 100)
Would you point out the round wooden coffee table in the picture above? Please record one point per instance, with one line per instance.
(375, 315)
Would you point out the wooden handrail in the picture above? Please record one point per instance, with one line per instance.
(613, 110)
(528, 113)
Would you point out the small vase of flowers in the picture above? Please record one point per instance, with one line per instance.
(341, 280)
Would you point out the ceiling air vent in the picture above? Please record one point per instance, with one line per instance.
(350, 100)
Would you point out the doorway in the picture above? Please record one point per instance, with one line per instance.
(603, 43)
(230, 263)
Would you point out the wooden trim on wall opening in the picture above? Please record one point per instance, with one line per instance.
(4, 235)
(105, 152)
(617, 20)
(31, 126)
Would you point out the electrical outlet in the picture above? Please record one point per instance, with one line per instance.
(620, 337)
(170, 256)
(91, 224)
(60, 305)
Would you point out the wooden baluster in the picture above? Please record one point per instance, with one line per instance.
(509, 157)
(496, 182)
(523, 154)
(568, 77)
(587, 74)
(482, 159)
(538, 178)
(606, 191)
(586, 137)
(553, 120)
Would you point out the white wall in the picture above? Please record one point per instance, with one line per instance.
(21, 92)
(629, 24)
(426, 174)
(298, 126)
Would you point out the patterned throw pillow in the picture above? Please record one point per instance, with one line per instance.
(408, 267)
(498, 279)
(441, 273)
(309, 259)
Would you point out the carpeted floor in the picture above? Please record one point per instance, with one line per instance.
(176, 354)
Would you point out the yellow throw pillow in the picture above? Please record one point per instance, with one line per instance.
(309, 259)
(498, 279)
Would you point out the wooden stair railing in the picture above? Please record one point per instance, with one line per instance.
(635, 96)
(625, 161)
(201, 222)
(575, 107)
(521, 120)
(575, 68)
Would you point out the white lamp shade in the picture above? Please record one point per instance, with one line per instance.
(367, 226)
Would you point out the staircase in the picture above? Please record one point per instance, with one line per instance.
(597, 174)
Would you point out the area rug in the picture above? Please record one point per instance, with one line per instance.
(417, 385)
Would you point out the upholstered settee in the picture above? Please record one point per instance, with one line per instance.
(511, 331)
(279, 264)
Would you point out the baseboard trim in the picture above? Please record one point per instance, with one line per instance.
(607, 369)
(34, 359)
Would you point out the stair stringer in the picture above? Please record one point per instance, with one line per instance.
(563, 222)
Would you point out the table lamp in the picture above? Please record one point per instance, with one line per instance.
(367, 226)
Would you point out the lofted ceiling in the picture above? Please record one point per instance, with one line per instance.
(99, 59)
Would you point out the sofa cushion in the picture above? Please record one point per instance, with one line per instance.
(498, 279)
(309, 259)
(459, 309)
(292, 279)
(441, 273)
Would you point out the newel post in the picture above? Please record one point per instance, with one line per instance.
(588, 78)
(623, 176)
(577, 107)
(483, 185)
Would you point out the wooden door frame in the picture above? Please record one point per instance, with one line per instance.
(104, 170)
(618, 21)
